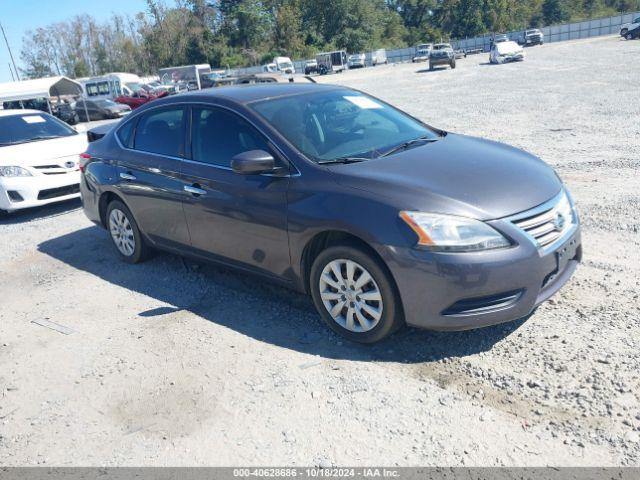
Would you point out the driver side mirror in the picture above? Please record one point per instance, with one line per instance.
(253, 162)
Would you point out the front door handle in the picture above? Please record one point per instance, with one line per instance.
(127, 176)
(194, 190)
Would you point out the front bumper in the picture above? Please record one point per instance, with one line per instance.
(440, 60)
(118, 113)
(461, 291)
(24, 192)
(516, 57)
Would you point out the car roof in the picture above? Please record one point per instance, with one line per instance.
(251, 93)
(19, 111)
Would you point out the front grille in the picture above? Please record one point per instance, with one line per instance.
(549, 222)
(57, 169)
(58, 192)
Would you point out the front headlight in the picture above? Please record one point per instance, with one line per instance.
(567, 207)
(453, 234)
(14, 172)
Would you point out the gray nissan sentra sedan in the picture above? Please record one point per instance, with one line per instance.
(384, 220)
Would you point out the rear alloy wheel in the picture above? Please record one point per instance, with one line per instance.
(354, 295)
(125, 233)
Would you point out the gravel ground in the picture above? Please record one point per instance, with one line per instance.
(177, 363)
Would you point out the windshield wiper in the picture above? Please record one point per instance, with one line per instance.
(344, 160)
(42, 137)
(405, 145)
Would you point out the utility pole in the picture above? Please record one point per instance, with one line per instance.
(10, 54)
(11, 70)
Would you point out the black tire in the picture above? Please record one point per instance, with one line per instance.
(141, 250)
(628, 36)
(623, 32)
(453, 64)
(430, 66)
(392, 317)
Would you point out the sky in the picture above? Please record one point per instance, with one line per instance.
(19, 16)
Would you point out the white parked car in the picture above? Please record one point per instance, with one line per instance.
(378, 57)
(38, 159)
(357, 60)
(422, 52)
(627, 27)
(503, 52)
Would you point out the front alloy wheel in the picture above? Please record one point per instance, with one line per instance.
(351, 295)
(355, 294)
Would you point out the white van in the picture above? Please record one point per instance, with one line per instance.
(110, 85)
(284, 65)
(378, 57)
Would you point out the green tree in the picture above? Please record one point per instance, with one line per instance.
(287, 33)
(554, 11)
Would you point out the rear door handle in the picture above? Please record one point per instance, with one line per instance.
(194, 190)
(127, 176)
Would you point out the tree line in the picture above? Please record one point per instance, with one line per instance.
(232, 33)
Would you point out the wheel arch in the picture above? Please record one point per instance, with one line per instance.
(103, 203)
(330, 238)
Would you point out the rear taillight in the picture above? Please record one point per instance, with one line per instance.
(84, 158)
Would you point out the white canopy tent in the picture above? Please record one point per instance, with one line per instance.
(39, 88)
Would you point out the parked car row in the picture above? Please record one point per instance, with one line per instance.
(338, 61)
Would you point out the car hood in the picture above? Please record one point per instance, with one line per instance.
(456, 175)
(40, 152)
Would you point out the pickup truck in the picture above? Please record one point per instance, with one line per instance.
(442, 54)
(531, 37)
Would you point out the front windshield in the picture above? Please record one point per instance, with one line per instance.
(16, 129)
(335, 124)
(286, 65)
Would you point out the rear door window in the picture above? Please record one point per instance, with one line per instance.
(125, 133)
(162, 132)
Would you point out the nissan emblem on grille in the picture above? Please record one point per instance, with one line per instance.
(558, 222)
